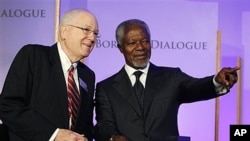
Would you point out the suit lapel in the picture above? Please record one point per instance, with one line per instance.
(124, 87)
(59, 83)
(84, 89)
(153, 82)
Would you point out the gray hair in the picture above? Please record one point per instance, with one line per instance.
(120, 30)
(70, 16)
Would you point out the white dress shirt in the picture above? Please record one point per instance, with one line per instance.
(66, 64)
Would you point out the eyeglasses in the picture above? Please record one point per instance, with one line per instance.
(87, 31)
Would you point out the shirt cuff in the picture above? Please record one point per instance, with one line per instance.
(52, 138)
(219, 88)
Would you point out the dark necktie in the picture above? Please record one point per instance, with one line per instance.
(138, 88)
(73, 96)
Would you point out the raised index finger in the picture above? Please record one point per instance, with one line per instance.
(233, 70)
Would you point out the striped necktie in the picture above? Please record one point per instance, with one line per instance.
(73, 96)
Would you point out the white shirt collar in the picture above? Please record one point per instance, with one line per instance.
(64, 59)
(131, 70)
(131, 76)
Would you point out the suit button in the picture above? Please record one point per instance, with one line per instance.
(146, 135)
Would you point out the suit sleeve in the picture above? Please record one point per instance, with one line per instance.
(195, 89)
(15, 111)
(105, 126)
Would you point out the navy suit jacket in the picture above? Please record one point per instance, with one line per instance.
(33, 101)
(118, 112)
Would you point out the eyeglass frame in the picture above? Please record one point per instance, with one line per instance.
(87, 31)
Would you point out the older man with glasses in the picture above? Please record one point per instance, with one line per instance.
(48, 91)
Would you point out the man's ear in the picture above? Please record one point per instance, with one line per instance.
(63, 32)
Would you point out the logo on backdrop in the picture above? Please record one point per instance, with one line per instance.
(26, 13)
(156, 44)
(239, 132)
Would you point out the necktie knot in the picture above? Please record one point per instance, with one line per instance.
(137, 75)
(71, 69)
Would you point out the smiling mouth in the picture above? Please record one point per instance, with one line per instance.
(140, 56)
(88, 45)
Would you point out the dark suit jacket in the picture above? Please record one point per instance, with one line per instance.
(118, 112)
(33, 102)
